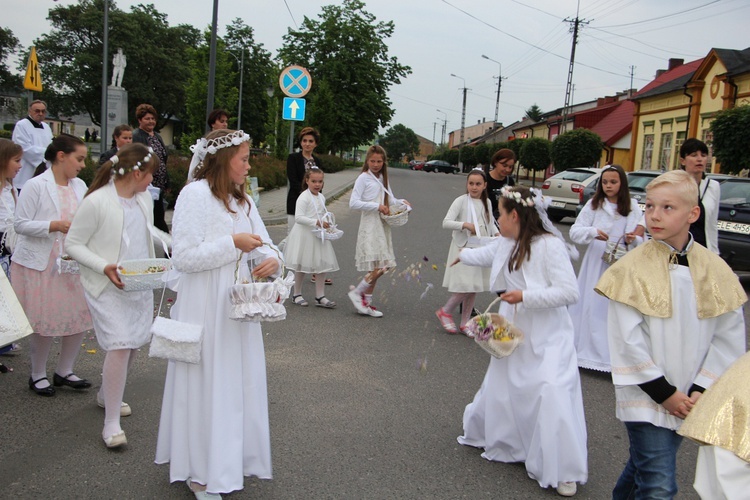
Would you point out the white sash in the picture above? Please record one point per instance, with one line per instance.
(476, 240)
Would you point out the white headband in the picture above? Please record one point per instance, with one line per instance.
(116, 159)
(204, 146)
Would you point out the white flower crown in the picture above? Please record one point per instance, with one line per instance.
(116, 159)
(509, 193)
(203, 147)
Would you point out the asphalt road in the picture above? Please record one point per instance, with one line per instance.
(359, 407)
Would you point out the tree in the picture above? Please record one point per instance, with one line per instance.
(731, 130)
(345, 52)
(71, 54)
(535, 155)
(577, 148)
(534, 113)
(8, 45)
(400, 141)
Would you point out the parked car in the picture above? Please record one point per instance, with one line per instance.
(565, 190)
(637, 182)
(734, 222)
(416, 164)
(440, 166)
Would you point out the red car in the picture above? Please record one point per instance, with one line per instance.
(416, 165)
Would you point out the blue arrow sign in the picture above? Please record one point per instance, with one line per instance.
(294, 109)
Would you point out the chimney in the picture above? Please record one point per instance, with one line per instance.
(675, 63)
(660, 72)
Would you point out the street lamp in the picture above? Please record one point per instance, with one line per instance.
(463, 121)
(241, 62)
(269, 93)
(499, 83)
(445, 124)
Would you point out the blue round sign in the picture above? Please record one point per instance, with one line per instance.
(295, 81)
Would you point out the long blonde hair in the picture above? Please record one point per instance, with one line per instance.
(378, 150)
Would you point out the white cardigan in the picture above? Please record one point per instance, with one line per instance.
(38, 205)
(589, 221)
(711, 206)
(95, 236)
(458, 214)
(308, 208)
(549, 276)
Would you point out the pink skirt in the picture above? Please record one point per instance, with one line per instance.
(54, 303)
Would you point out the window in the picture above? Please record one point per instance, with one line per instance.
(648, 151)
(665, 151)
(677, 145)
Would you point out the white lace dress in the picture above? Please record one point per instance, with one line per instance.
(374, 245)
(122, 320)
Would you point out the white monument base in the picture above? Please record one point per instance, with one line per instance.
(117, 110)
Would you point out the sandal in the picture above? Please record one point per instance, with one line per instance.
(447, 321)
(328, 281)
(324, 302)
(299, 300)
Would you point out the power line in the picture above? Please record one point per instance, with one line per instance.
(665, 49)
(291, 15)
(664, 16)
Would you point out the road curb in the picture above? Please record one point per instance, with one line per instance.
(275, 220)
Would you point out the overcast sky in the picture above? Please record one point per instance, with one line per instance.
(528, 37)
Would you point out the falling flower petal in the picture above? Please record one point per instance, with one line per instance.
(425, 259)
(91, 351)
(434, 267)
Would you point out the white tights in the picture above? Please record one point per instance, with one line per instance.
(320, 283)
(114, 376)
(467, 305)
(70, 346)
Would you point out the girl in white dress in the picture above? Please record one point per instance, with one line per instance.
(214, 419)
(608, 216)
(305, 252)
(10, 165)
(470, 219)
(529, 408)
(374, 252)
(113, 224)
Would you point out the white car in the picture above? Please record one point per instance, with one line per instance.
(566, 190)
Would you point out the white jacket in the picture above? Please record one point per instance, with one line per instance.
(95, 236)
(309, 209)
(458, 214)
(38, 205)
(711, 206)
(589, 221)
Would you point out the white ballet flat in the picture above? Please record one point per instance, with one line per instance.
(202, 495)
(116, 440)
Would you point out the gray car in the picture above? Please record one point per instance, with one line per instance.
(565, 190)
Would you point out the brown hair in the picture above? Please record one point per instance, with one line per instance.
(8, 151)
(308, 131)
(483, 196)
(64, 143)
(215, 115)
(308, 173)
(215, 170)
(530, 225)
(128, 156)
(623, 196)
(143, 110)
(117, 132)
(500, 155)
(378, 150)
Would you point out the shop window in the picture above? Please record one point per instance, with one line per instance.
(648, 151)
(665, 151)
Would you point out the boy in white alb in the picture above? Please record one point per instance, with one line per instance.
(675, 324)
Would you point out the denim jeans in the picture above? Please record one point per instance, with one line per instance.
(650, 471)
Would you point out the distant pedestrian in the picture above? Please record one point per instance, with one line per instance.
(529, 408)
(146, 134)
(675, 324)
(112, 225)
(52, 299)
(499, 175)
(608, 218)
(122, 135)
(374, 253)
(94, 135)
(33, 135)
(218, 119)
(470, 219)
(305, 253)
(87, 135)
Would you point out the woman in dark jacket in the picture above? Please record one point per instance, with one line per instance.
(296, 166)
(145, 134)
(122, 135)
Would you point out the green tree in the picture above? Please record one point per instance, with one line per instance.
(577, 148)
(8, 45)
(535, 155)
(400, 142)
(534, 112)
(468, 157)
(731, 129)
(72, 58)
(346, 54)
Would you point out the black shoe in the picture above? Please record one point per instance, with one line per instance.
(58, 381)
(47, 391)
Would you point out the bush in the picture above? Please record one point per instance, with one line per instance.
(88, 172)
(330, 163)
(6, 134)
(270, 171)
(576, 148)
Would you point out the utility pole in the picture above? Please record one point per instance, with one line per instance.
(463, 121)
(434, 125)
(445, 125)
(576, 24)
(105, 70)
(212, 63)
(499, 85)
(630, 89)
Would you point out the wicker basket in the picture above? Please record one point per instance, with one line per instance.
(510, 336)
(399, 215)
(332, 232)
(259, 301)
(142, 274)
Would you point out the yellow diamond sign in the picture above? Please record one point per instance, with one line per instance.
(33, 78)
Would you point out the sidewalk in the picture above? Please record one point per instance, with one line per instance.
(272, 206)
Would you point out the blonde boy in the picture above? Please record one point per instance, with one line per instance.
(675, 324)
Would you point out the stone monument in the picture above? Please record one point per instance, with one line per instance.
(117, 97)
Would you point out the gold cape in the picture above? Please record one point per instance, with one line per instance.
(721, 417)
(640, 279)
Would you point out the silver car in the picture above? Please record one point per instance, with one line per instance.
(565, 190)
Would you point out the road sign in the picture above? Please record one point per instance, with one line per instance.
(294, 109)
(33, 78)
(295, 81)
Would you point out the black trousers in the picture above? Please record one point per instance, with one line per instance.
(159, 221)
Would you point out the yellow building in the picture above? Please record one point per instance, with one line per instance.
(682, 102)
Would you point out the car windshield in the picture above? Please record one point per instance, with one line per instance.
(735, 192)
(639, 181)
(573, 175)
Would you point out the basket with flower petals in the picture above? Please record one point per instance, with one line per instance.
(494, 333)
(142, 274)
(398, 216)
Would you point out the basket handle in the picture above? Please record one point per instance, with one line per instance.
(515, 308)
(239, 259)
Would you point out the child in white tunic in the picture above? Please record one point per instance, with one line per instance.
(112, 225)
(610, 216)
(305, 252)
(374, 252)
(214, 427)
(470, 219)
(675, 324)
(529, 408)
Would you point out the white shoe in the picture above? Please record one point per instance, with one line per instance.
(567, 488)
(358, 301)
(116, 440)
(202, 494)
(371, 311)
(125, 410)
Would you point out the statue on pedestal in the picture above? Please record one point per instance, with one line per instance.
(119, 62)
